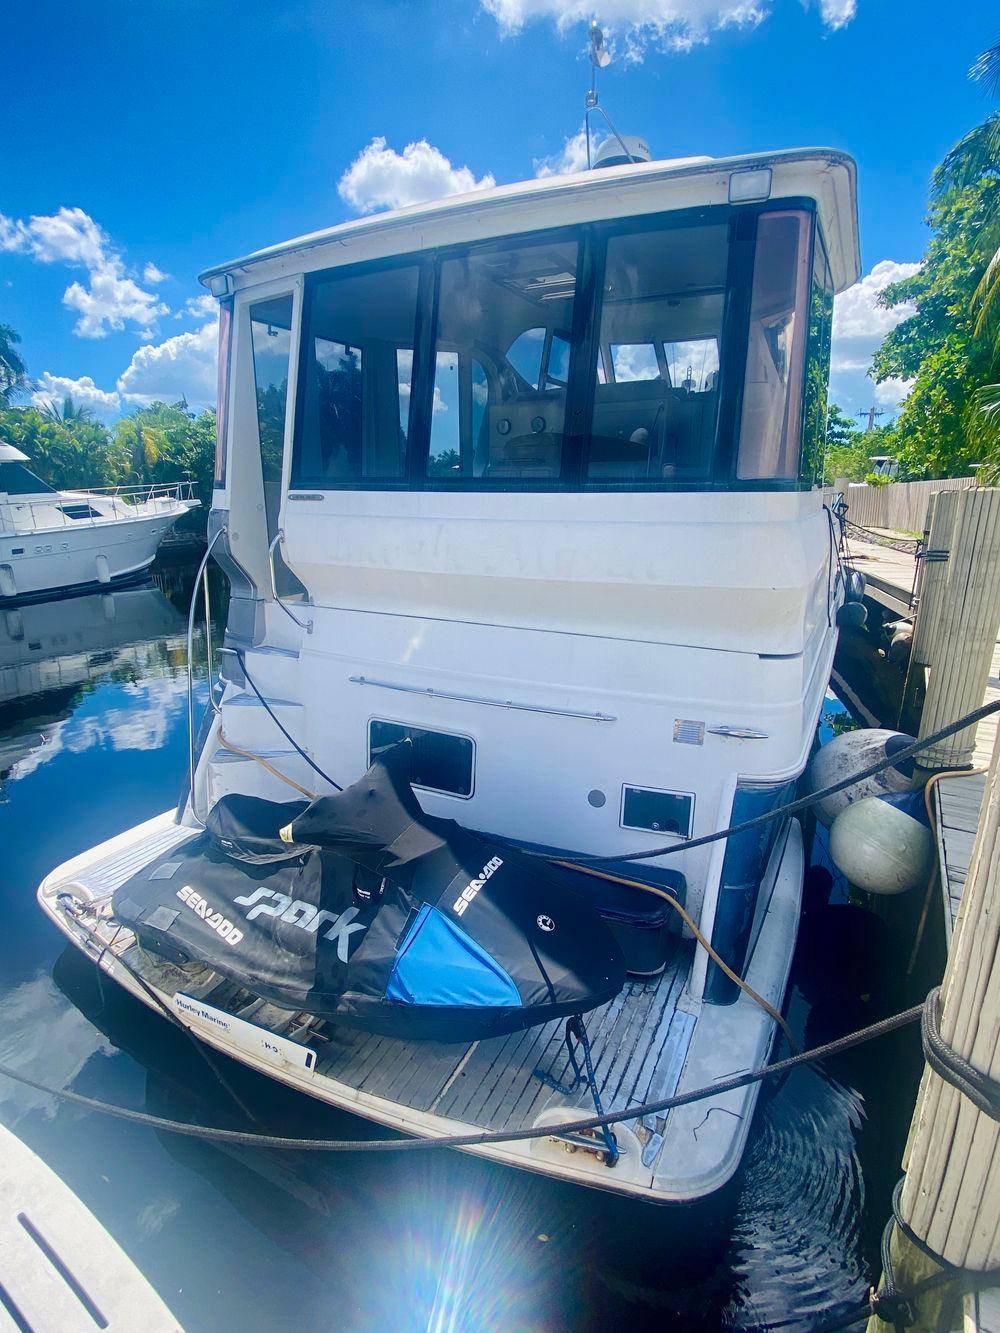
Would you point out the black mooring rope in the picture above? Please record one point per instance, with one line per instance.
(486, 1137)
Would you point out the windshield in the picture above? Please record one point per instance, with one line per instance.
(16, 479)
(601, 359)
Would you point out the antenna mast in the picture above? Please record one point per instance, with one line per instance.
(600, 58)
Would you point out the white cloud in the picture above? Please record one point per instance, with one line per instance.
(110, 299)
(69, 236)
(153, 275)
(201, 307)
(379, 177)
(572, 158)
(891, 392)
(110, 302)
(857, 312)
(671, 24)
(859, 325)
(837, 13)
(182, 366)
(84, 392)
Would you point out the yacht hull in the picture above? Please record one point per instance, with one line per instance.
(43, 562)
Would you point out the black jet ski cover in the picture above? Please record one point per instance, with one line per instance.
(368, 911)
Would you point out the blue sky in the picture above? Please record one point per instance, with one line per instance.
(148, 140)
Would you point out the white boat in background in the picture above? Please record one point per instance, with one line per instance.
(532, 478)
(51, 541)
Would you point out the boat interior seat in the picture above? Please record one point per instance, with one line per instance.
(649, 429)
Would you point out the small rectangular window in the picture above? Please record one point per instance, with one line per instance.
(657, 811)
(441, 761)
(817, 369)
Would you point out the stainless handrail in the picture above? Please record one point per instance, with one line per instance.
(279, 537)
(200, 578)
(48, 516)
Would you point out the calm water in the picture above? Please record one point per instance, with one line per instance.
(93, 740)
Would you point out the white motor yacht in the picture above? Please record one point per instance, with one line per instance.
(529, 478)
(53, 540)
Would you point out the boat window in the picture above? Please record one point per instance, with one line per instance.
(445, 459)
(498, 413)
(222, 392)
(16, 479)
(358, 360)
(817, 369)
(525, 355)
(441, 761)
(270, 328)
(79, 511)
(661, 316)
(772, 392)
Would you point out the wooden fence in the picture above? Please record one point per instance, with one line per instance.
(901, 506)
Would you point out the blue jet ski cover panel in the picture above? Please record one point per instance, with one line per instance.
(361, 908)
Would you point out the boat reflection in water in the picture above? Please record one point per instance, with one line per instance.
(52, 654)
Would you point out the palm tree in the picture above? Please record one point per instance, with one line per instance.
(67, 411)
(13, 371)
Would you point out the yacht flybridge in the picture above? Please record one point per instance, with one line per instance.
(518, 494)
(53, 540)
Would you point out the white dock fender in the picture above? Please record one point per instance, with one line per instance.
(8, 584)
(103, 569)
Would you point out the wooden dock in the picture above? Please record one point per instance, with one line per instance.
(890, 576)
(958, 804)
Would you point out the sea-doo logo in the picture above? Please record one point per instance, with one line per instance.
(474, 885)
(211, 918)
(304, 915)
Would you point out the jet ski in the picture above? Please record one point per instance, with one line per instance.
(361, 908)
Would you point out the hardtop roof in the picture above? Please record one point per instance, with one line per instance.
(826, 175)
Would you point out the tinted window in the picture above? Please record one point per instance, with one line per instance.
(772, 391)
(358, 359)
(441, 761)
(270, 325)
(656, 399)
(817, 369)
(500, 311)
(16, 479)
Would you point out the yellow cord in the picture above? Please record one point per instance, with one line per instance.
(932, 781)
(597, 874)
(259, 759)
(689, 922)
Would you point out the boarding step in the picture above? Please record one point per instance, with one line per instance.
(243, 774)
(248, 723)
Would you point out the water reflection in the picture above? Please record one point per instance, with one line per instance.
(53, 653)
(93, 740)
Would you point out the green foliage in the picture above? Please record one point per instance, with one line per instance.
(846, 448)
(159, 443)
(877, 479)
(938, 346)
(13, 371)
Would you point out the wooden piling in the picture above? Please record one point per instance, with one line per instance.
(951, 1197)
(957, 619)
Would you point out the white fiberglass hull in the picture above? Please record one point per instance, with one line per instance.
(49, 560)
